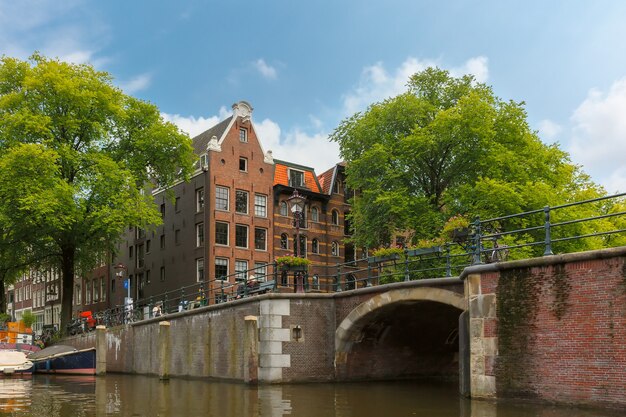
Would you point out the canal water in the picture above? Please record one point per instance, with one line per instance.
(134, 396)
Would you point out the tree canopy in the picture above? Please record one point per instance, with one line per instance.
(75, 155)
(448, 146)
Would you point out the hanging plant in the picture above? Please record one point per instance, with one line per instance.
(293, 263)
(457, 228)
(386, 254)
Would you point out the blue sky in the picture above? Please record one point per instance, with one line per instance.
(306, 65)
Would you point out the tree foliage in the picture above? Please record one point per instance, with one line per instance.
(75, 153)
(448, 146)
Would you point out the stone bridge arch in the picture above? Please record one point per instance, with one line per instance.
(369, 322)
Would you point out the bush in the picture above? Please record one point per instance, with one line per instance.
(28, 318)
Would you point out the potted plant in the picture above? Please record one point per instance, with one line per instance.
(385, 254)
(457, 228)
(293, 263)
(28, 318)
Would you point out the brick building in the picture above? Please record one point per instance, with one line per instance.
(228, 222)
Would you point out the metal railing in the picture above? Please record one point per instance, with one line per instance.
(590, 224)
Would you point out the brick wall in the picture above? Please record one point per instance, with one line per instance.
(554, 331)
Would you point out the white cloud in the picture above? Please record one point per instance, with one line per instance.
(191, 125)
(599, 136)
(267, 71)
(140, 82)
(549, 130)
(377, 83)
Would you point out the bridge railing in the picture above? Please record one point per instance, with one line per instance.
(590, 224)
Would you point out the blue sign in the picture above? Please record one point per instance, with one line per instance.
(126, 283)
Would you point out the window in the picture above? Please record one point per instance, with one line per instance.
(243, 134)
(130, 252)
(301, 247)
(103, 290)
(88, 292)
(283, 208)
(283, 241)
(221, 198)
(315, 246)
(241, 201)
(221, 268)
(200, 269)
(139, 233)
(260, 205)
(204, 161)
(199, 199)
(162, 274)
(315, 214)
(148, 245)
(334, 249)
(241, 268)
(260, 271)
(337, 187)
(177, 236)
(221, 233)
(177, 204)
(162, 241)
(140, 256)
(199, 234)
(163, 210)
(296, 178)
(148, 276)
(335, 218)
(260, 238)
(243, 164)
(241, 236)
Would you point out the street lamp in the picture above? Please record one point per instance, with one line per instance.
(297, 208)
(120, 268)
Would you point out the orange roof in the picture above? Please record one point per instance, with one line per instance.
(281, 176)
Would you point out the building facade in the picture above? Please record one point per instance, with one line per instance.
(226, 225)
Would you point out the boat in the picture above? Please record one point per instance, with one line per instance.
(62, 359)
(14, 362)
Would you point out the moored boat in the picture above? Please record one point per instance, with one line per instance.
(14, 362)
(61, 359)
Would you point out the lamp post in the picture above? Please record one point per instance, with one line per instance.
(120, 269)
(297, 208)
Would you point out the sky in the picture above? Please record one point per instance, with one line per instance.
(306, 65)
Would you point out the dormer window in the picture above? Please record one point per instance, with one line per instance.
(243, 134)
(204, 161)
(296, 178)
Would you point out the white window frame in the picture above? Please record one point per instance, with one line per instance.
(227, 190)
(247, 236)
(199, 269)
(227, 234)
(200, 234)
(222, 262)
(264, 240)
(241, 268)
(260, 205)
(199, 199)
(245, 164)
(247, 194)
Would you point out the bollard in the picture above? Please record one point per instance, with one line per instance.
(251, 350)
(164, 350)
(101, 350)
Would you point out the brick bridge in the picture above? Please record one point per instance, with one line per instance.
(550, 328)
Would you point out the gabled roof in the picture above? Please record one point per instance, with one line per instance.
(328, 177)
(281, 175)
(201, 141)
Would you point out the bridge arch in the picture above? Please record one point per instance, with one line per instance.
(360, 337)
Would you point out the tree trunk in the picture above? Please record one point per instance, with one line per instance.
(67, 284)
(3, 300)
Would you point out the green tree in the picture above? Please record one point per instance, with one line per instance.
(448, 146)
(75, 154)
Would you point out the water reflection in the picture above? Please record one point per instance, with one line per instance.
(125, 395)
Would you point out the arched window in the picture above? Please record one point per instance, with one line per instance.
(301, 247)
(315, 246)
(335, 218)
(334, 249)
(283, 208)
(315, 214)
(284, 244)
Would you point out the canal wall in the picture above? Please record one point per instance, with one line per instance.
(276, 338)
(551, 329)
